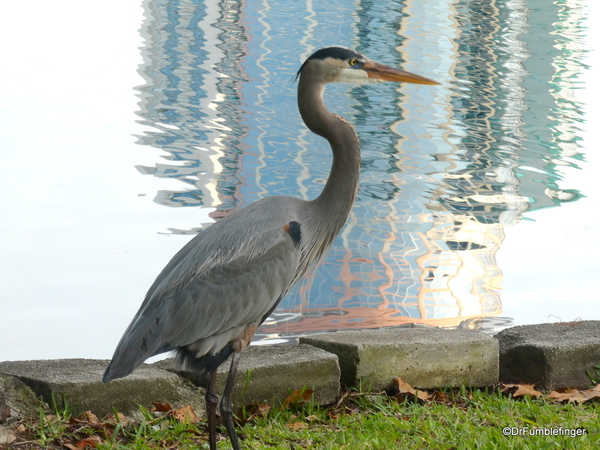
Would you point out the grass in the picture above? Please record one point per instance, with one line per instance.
(458, 419)
(471, 420)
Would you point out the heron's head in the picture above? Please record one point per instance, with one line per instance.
(342, 65)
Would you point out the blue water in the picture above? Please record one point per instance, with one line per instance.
(460, 183)
(442, 170)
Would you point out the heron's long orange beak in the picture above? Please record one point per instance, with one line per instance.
(387, 73)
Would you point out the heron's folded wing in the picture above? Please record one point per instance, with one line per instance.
(211, 286)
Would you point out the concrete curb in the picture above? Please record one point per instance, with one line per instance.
(80, 380)
(270, 373)
(424, 357)
(555, 355)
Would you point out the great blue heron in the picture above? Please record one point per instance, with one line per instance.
(209, 300)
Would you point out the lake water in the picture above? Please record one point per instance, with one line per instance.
(123, 134)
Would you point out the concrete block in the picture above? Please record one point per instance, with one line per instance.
(80, 380)
(268, 373)
(21, 401)
(423, 357)
(552, 355)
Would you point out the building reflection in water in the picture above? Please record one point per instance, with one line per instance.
(444, 170)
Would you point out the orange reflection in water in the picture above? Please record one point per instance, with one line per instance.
(438, 287)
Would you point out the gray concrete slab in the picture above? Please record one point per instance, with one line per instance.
(269, 373)
(81, 381)
(17, 402)
(553, 355)
(423, 357)
(20, 400)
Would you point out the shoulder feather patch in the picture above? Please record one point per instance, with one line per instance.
(293, 229)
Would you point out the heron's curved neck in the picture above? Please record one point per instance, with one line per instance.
(335, 202)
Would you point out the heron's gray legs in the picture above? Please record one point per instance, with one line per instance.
(227, 405)
(212, 399)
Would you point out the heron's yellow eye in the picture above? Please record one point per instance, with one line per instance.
(353, 62)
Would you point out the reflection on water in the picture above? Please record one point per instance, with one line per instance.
(445, 169)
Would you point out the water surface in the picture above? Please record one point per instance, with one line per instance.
(476, 196)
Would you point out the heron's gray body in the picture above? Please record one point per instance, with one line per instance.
(211, 297)
(228, 277)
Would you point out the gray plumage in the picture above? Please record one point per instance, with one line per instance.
(225, 278)
(211, 297)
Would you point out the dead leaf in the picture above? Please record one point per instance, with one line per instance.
(91, 441)
(50, 419)
(88, 416)
(574, 395)
(8, 438)
(521, 390)
(111, 421)
(261, 410)
(569, 395)
(441, 397)
(185, 414)
(591, 393)
(297, 397)
(250, 412)
(402, 387)
(526, 389)
(161, 407)
(405, 390)
(296, 425)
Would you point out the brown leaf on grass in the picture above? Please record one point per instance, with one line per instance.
(111, 421)
(161, 407)
(334, 413)
(298, 397)
(296, 425)
(51, 419)
(91, 441)
(107, 422)
(90, 417)
(569, 395)
(440, 397)
(261, 410)
(402, 387)
(184, 415)
(591, 393)
(87, 417)
(521, 390)
(250, 412)
(575, 395)
(8, 438)
(406, 391)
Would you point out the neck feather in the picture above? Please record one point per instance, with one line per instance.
(333, 206)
